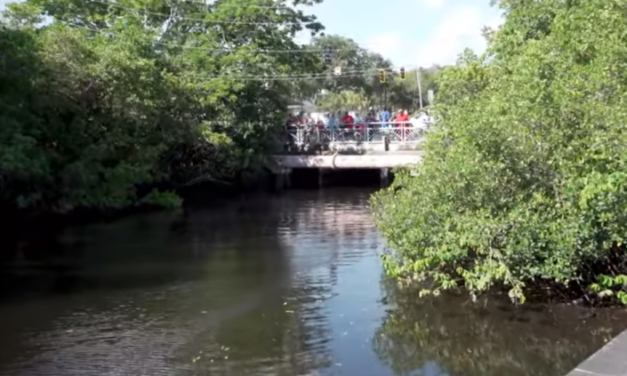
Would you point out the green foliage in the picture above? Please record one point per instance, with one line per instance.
(523, 180)
(611, 286)
(360, 78)
(107, 99)
(344, 100)
(348, 55)
(404, 93)
(168, 200)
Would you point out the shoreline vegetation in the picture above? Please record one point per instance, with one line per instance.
(105, 111)
(523, 186)
(106, 106)
(110, 109)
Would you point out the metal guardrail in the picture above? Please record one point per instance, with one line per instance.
(373, 133)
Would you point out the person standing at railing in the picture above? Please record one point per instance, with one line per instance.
(360, 123)
(360, 127)
(399, 119)
(290, 123)
(332, 123)
(371, 119)
(397, 122)
(301, 131)
(403, 123)
(424, 120)
(403, 119)
(306, 121)
(384, 117)
(348, 121)
(292, 130)
(320, 124)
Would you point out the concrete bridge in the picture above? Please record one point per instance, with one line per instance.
(328, 149)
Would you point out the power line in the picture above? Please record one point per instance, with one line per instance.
(302, 50)
(261, 50)
(199, 19)
(214, 5)
(299, 76)
(363, 70)
(356, 73)
(321, 75)
(346, 73)
(240, 48)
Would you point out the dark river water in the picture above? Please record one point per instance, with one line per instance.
(286, 285)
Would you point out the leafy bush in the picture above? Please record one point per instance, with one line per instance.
(523, 182)
(611, 286)
(101, 100)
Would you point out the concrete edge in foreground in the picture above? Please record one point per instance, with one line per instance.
(611, 360)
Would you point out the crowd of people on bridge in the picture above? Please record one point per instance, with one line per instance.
(351, 120)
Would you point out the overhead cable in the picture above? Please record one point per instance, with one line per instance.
(193, 19)
(303, 50)
(214, 4)
(299, 76)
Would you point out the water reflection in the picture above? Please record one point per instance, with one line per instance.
(238, 290)
(451, 336)
(286, 285)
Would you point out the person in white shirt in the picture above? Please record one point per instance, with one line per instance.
(422, 121)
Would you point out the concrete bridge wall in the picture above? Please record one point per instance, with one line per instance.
(373, 161)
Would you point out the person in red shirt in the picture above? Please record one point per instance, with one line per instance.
(401, 119)
(347, 121)
(320, 124)
(405, 118)
(398, 120)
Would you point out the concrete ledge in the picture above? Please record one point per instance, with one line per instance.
(611, 360)
(372, 147)
(347, 161)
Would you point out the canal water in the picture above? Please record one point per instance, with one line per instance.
(284, 285)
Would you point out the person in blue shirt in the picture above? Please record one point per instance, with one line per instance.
(332, 123)
(384, 117)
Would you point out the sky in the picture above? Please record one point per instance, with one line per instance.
(410, 33)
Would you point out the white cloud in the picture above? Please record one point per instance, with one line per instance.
(455, 32)
(389, 44)
(432, 3)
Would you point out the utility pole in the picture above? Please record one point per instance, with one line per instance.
(419, 87)
(385, 91)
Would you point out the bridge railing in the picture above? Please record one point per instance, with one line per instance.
(373, 133)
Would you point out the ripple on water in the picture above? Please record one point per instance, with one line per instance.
(286, 285)
(245, 293)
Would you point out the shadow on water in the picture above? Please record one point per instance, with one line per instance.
(233, 289)
(262, 285)
(311, 178)
(138, 251)
(449, 335)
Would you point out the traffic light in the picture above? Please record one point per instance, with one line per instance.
(382, 76)
(402, 73)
